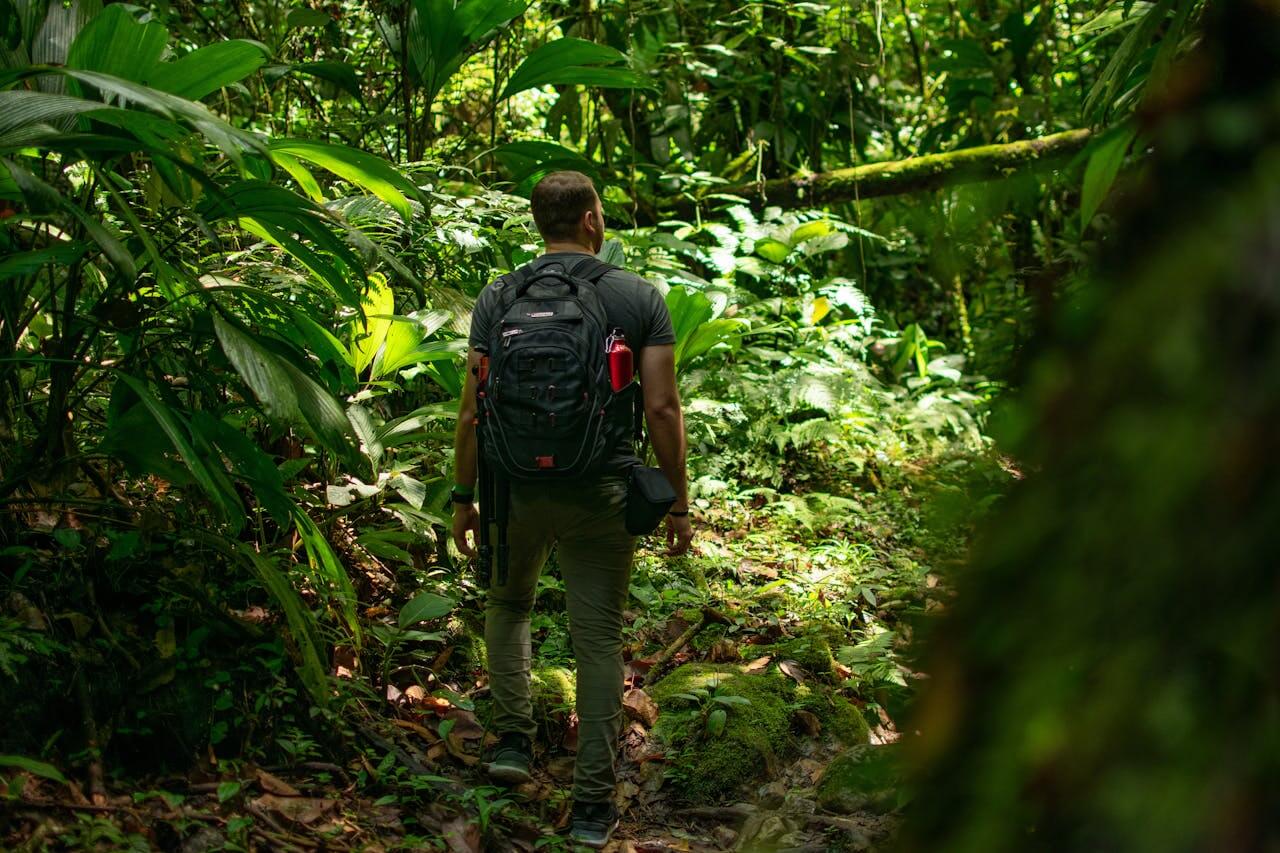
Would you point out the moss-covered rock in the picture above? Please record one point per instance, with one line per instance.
(710, 767)
(861, 777)
(552, 688)
(839, 717)
(812, 651)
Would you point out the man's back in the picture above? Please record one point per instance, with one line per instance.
(584, 520)
(629, 303)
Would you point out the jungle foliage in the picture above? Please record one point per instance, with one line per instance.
(238, 245)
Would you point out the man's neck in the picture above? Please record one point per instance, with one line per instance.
(568, 246)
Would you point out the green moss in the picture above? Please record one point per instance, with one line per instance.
(466, 635)
(553, 690)
(553, 687)
(812, 651)
(861, 777)
(709, 768)
(839, 717)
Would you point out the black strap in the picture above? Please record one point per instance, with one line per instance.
(517, 277)
(591, 269)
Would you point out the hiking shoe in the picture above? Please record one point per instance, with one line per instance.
(593, 823)
(510, 761)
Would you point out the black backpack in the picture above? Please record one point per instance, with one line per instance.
(546, 408)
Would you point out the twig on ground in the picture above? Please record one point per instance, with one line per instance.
(709, 615)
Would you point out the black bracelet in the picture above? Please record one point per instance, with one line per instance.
(678, 514)
(461, 497)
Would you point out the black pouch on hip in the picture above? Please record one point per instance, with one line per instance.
(649, 496)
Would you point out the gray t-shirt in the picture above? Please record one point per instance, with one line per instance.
(629, 301)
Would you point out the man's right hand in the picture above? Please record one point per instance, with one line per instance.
(679, 535)
(466, 517)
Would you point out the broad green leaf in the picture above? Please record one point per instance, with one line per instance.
(706, 336)
(716, 721)
(424, 607)
(398, 354)
(21, 109)
(36, 768)
(249, 462)
(404, 428)
(300, 173)
(573, 61)
(340, 74)
(285, 392)
(327, 570)
(832, 241)
(207, 69)
(1109, 83)
(115, 43)
(57, 32)
(612, 252)
(443, 33)
(370, 173)
(23, 263)
(528, 161)
(231, 141)
(277, 215)
(413, 491)
(772, 249)
(370, 333)
(279, 235)
(689, 309)
(1103, 166)
(367, 432)
(403, 335)
(213, 482)
(809, 230)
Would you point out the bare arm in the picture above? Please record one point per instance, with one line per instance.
(666, 430)
(464, 434)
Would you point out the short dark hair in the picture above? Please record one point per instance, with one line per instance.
(558, 202)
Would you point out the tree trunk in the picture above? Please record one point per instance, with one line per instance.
(897, 177)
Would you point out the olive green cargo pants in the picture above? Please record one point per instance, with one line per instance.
(585, 522)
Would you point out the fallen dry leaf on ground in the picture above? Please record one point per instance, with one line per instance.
(303, 810)
(809, 722)
(275, 785)
(639, 707)
(757, 666)
(792, 670)
(461, 835)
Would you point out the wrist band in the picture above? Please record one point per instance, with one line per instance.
(680, 514)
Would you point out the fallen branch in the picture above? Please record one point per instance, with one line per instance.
(709, 615)
(898, 177)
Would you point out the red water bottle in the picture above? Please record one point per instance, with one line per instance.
(621, 365)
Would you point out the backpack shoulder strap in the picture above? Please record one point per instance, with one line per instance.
(591, 269)
(512, 281)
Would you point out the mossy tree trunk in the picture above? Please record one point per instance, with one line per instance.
(898, 177)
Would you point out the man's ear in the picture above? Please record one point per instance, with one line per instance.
(591, 224)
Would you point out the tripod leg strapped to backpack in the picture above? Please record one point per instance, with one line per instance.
(494, 495)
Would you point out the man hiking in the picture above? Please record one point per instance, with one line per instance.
(583, 513)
